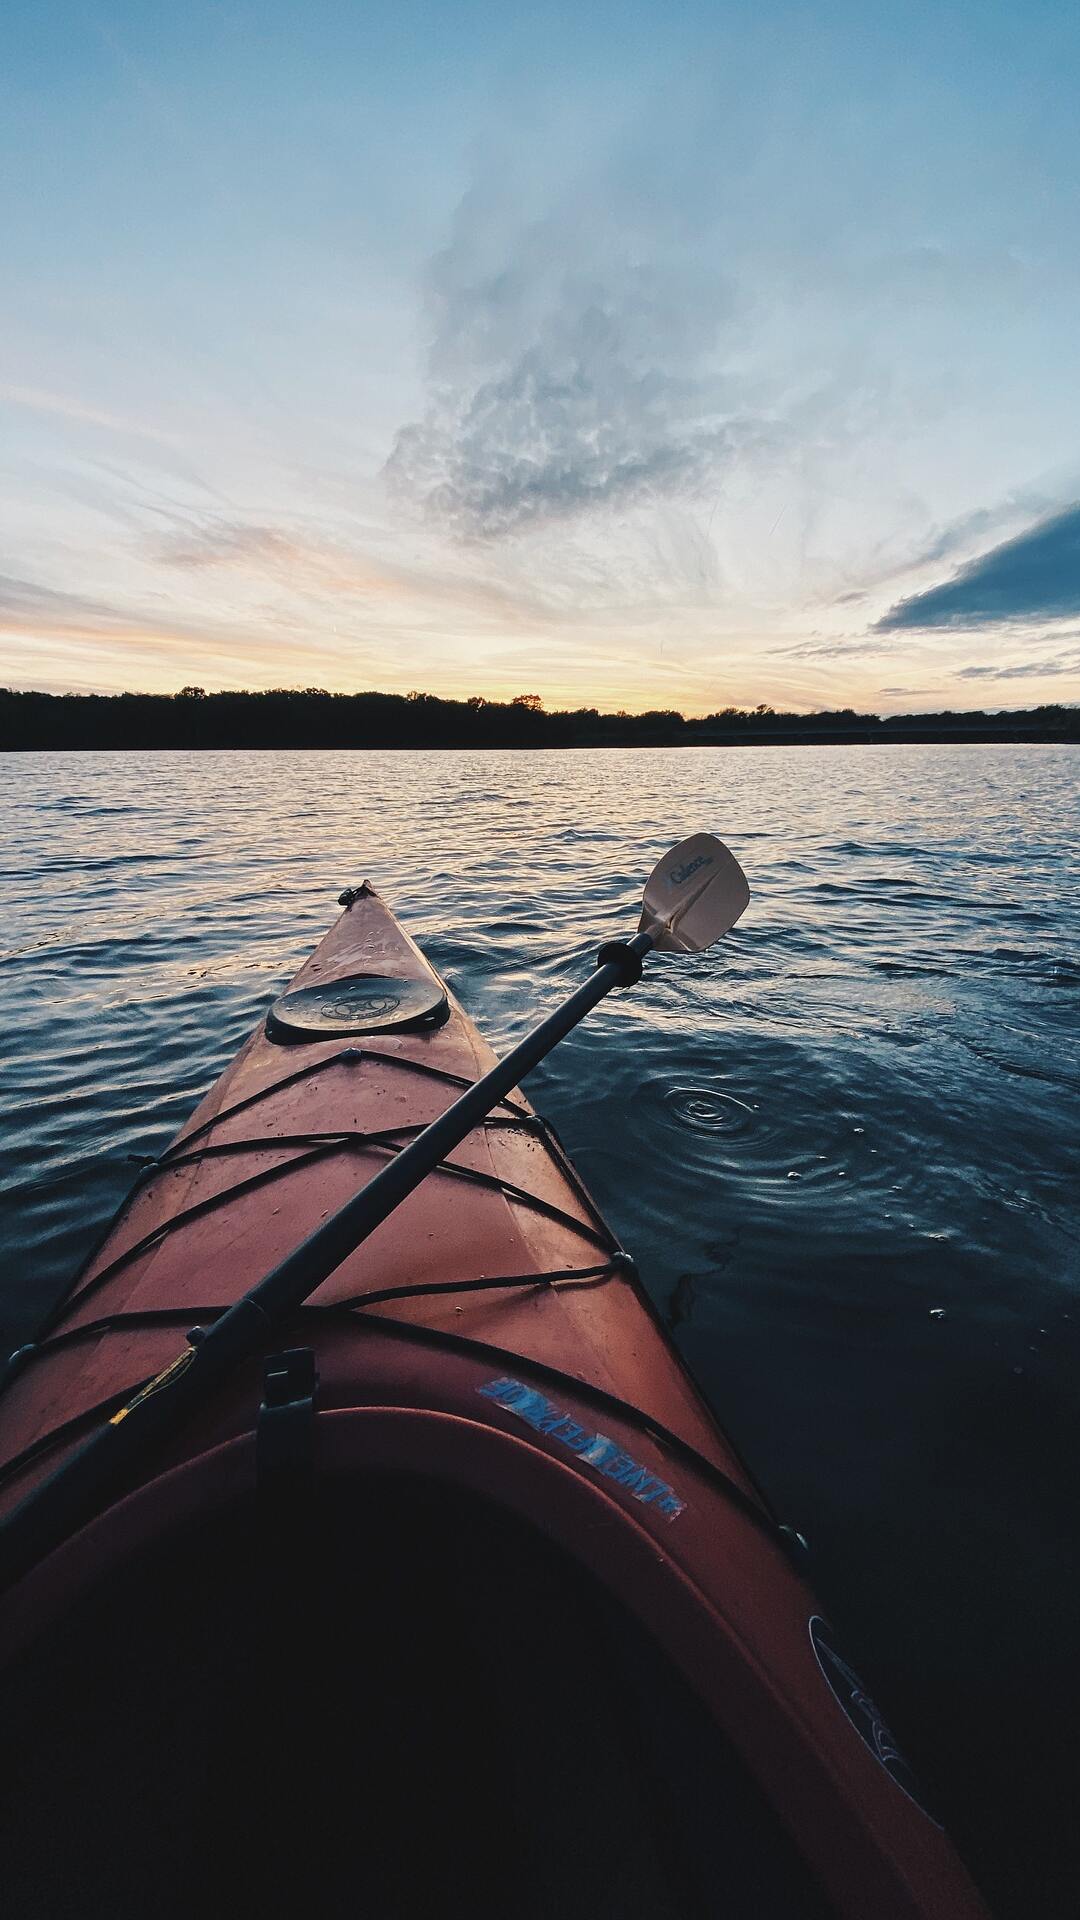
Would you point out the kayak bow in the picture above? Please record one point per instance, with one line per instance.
(450, 1595)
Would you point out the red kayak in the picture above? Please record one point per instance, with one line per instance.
(453, 1599)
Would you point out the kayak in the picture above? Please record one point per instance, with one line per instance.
(453, 1598)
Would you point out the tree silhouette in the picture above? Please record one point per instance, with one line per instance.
(312, 717)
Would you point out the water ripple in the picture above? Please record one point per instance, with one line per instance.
(708, 1110)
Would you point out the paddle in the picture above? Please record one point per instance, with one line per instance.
(693, 896)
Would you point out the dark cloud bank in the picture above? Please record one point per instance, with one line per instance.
(1034, 577)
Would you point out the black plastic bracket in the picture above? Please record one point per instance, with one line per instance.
(617, 953)
(352, 894)
(285, 1435)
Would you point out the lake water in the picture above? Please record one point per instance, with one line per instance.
(844, 1146)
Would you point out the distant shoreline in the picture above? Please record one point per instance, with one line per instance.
(283, 719)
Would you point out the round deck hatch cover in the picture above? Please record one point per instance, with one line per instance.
(361, 1003)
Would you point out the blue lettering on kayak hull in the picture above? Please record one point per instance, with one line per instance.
(595, 1449)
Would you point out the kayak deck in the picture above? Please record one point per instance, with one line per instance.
(288, 1134)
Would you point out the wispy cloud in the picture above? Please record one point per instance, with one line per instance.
(24, 603)
(282, 554)
(1024, 669)
(1034, 577)
(319, 566)
(909, 546)
(93, 642)
(67, 407)
(219, 543)
(863, 648)
(44, 613)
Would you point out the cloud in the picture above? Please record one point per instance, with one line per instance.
(908, 545)
(68, 631)
(321, 568)
(97, 437)
(829, 649)
(38, 400)
(969, 528)
(292, 558)
(25, 603)
(26, 608)
(1034, 577)
(220, 543)
(573, 366)
(1024, 670)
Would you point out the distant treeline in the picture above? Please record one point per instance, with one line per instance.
(311, 717)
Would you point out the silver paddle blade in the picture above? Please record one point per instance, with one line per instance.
(695, 894)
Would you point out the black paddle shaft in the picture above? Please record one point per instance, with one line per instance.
(85, 1481)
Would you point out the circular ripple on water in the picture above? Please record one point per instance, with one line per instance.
(707, 1110)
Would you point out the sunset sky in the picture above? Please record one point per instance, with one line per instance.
(683, 355)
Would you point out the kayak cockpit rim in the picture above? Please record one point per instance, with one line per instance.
(474, 1674)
